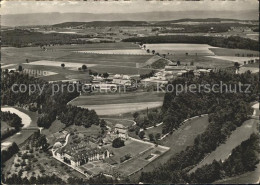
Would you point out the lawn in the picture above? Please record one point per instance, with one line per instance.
(93, 130)
(222, 152)
(112, 122)
(178, 141)
(131, 147)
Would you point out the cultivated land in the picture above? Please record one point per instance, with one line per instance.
(232, 52)
(178, 141)
(222, 152)
(201, 61)
(109, 104)
(122, 62)
(200, 49)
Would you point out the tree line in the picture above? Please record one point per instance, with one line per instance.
(233, 42)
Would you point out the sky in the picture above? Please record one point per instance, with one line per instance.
(110, 6)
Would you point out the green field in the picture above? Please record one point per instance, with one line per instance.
(201, 61)
(232, 52)
(124, 64)
(131, 147)
(112, 122)
(178, 141)
(118, 98)
(112, 104)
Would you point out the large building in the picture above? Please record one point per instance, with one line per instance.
(121, 131)
(81, 154)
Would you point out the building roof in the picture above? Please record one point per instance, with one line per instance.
(118, 125)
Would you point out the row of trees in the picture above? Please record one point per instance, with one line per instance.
(230, 42)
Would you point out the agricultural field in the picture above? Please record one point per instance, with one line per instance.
(232, 52)
(121, 62)
(181, 49)
(240, 60)
(110, 104)
(222, 152)
(202, 61)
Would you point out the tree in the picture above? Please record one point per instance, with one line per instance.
(135, 115)
(84, 67)
(20, 68)
(141, 134)
(237, 65)
(105, 75)
(118, 142)
(103, 123)
(157, 136)
(148, 50)
(153, 51)
(62, 65)
(151, 137)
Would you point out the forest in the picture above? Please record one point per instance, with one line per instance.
(48, 106)
(230, 42)
(24, 38)
(226, 112)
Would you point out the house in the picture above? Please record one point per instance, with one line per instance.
(121, 131)
(121, 80)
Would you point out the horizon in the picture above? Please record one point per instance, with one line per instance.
(104, 7)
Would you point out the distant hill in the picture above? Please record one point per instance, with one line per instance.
(101, 23)
(56, 18)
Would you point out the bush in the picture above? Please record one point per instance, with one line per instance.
(118, 142)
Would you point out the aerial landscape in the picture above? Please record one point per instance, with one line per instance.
(111, 92)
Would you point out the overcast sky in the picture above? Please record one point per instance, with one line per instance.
(110, 6)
